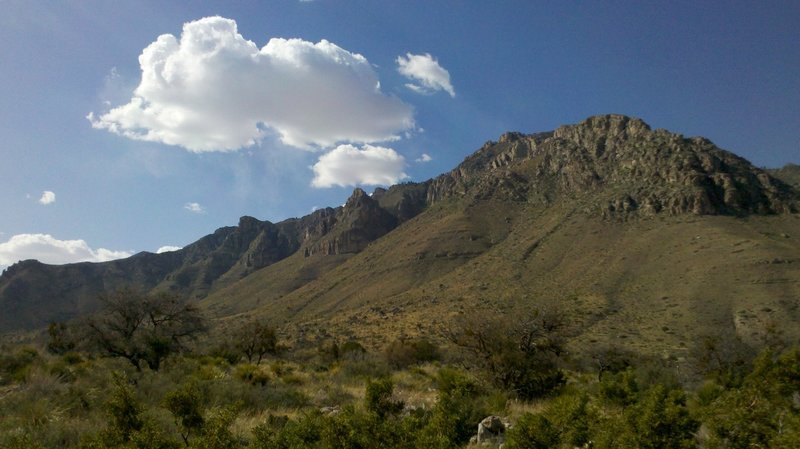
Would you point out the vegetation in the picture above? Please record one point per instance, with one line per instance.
(409, 394)
(143, 328)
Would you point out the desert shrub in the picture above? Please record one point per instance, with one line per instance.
(215, 432)
(456, 413)
(359, 369)
(620, 388)
(761, 412)
(532, 432)
(660, 419)
(253, 396)
(15, 365)
(303, 433)
(403, 353)
(607, 359)
(352, 349)
(124, 409)
(378, 398)
(61, 338)
(724, 359)
(566, 422)
(186, 405)
(226, 350)
(251, 374)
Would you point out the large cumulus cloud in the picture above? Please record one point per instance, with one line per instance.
(213, 90)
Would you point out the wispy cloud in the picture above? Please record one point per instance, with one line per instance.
(47, 197)
(347, 165)
(213, 90)
(48, 249)
(428, 75)
(424, 158)
(168, 248)
(195, 207)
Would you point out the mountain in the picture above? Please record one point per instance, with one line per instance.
(643, 237)
(789, 173)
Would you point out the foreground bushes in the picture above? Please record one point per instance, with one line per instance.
(74, 400)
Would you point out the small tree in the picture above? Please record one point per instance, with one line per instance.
(60, 338)
(186, 406)
(519, 354)
(144, 328)
(255, 340)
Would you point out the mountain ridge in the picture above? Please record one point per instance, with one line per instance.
(611, 166)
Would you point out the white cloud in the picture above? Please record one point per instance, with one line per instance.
(168, 248)
(47, 249)
(212, 90)
(424, 158)
(426, 72)
(347, 165)
(195, 207)
(48, 197)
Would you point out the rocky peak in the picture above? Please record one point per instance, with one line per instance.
(622, 167)
(378, 193)
(249, 224)
(361, 221)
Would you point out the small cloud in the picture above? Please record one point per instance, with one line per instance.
(47, 249)
(167, 249)
(210, 89)
(347, 165)
(424, 158)
(48, 197)
(195, 207)
(428, 75)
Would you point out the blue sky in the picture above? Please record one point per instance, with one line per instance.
(346, 93)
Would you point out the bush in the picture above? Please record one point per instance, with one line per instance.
(15, 366)
(660, 419)
(532, 432)
(378, 398)
(403, 353)
(456, 414)
(186, 405)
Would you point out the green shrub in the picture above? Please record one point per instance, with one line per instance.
(15, 366)
(660, 419)
(303, 433)
(456, 414)
(532, 432)
(186, 405)
(403, 353)
(251, 374)
(378, 398)
(620, 388)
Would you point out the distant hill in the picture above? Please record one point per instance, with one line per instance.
(789, 173)
(643, 237)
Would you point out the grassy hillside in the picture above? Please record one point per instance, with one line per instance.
(652, 285)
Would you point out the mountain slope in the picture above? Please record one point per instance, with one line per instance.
(645, 238)
(416, 243)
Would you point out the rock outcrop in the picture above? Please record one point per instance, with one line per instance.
(623, 167)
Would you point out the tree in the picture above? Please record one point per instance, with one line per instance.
(519, 354)
(60, 339)
(144, 328)
(255, 340)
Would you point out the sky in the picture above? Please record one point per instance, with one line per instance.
(142, 126)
